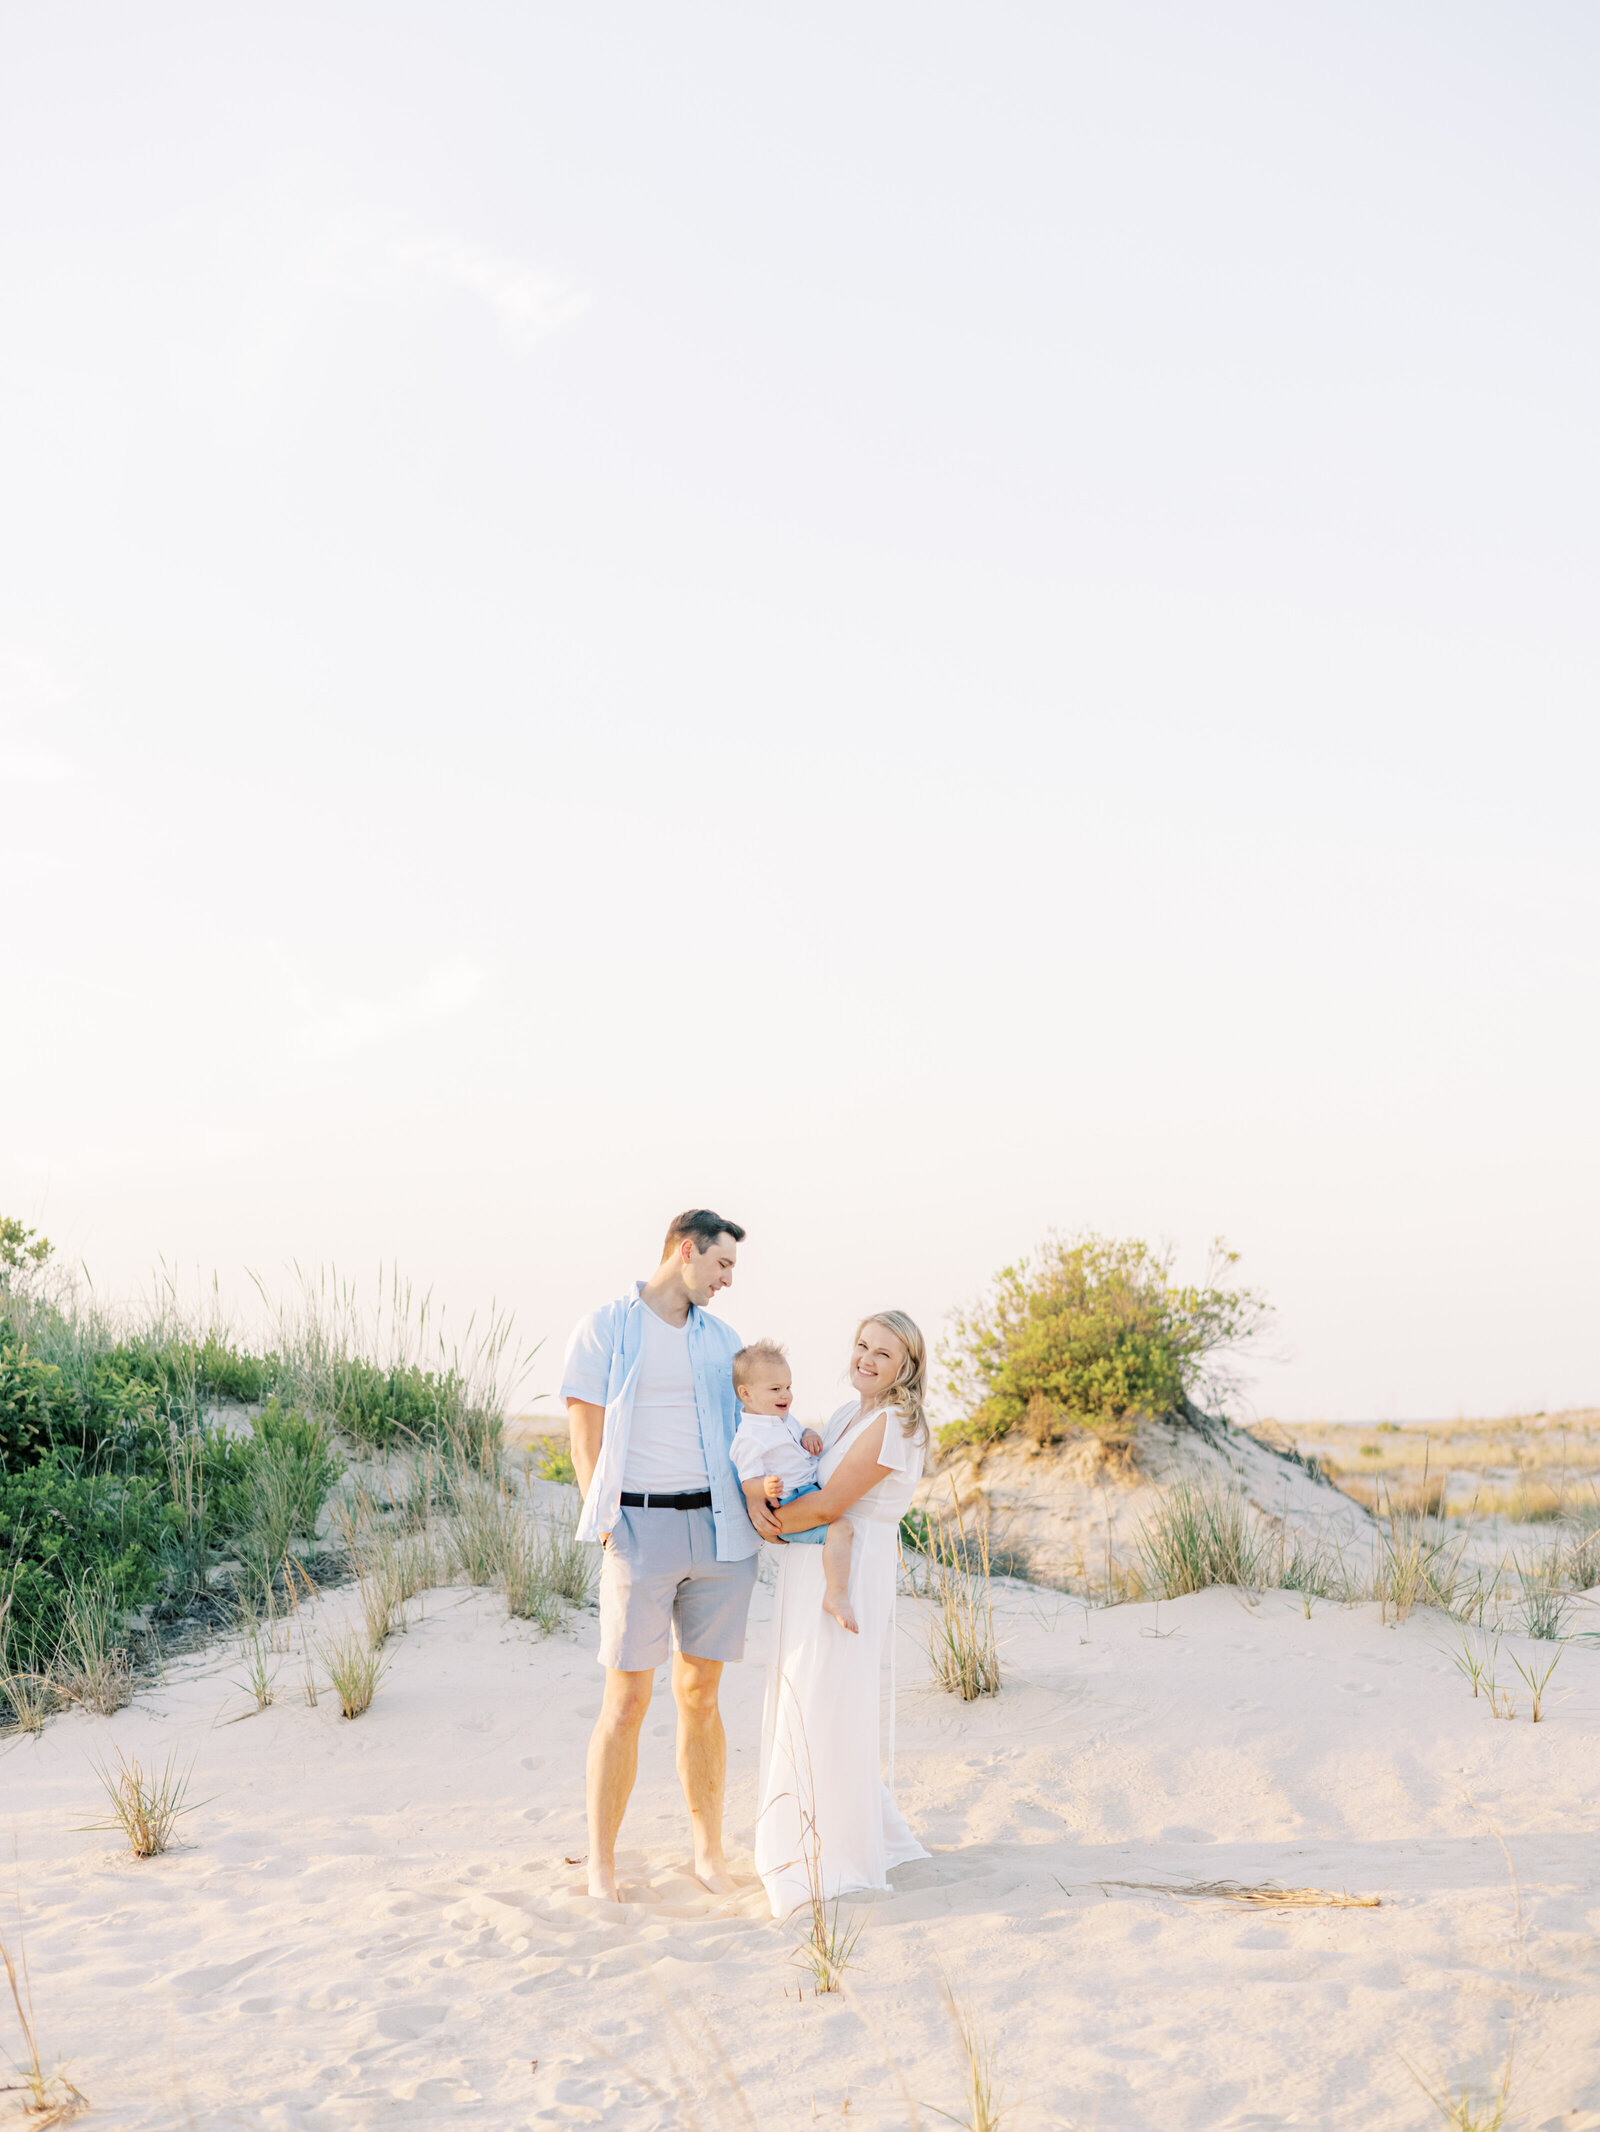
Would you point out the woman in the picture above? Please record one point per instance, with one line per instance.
(828, 1822)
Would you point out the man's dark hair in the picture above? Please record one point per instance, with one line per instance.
(704, 1226)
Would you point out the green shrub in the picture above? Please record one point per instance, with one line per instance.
(377, 1405)
(23, 1252)
(32, 1393)
(1091, 1335)
(59, 1528)
(99, 1416)
(207, 1369)
(554, 1463)
(267, 1488)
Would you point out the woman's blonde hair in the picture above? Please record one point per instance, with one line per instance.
(908, 1388)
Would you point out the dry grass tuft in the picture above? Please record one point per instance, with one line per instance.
(961, 1640)
(91, 1668)
(31, 1696)
(1538, 1679)
(261, 1674)
(146, 1807)
(354, 1670)
(985, 2101)
(1198, 1536)
(1524, 1503)
(525, 1578)
(571, 1565)
(1464, 2113)
(481, 1531)
(49, 2098)
(1251, 1895)
(1416, 1566)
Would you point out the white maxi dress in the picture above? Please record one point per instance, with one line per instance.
(824, 1804)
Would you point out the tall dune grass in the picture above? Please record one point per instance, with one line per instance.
(1199, 1535)
(962, 1650)
(48, 2098)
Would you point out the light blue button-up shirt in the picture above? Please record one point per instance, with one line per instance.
(602, 1368)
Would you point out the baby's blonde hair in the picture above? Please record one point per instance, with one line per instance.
(758, 1351)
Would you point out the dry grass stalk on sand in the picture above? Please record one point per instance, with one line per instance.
(1545, 1598)
(481, 1530)
(31, 1696)
(1251, 1895)
(1416, 1566)
(960, 1629)
(1477, 1666)
(261, 1675)
(571, 1565)
(354, 1670)
(91, 1668)
(1466, 2115)
(1538, 1679)
(825, 1952)
(525, 1579)
(145, 1806)
(49, 2098)
(986, 2106)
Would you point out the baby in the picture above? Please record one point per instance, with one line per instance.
(777, 1460)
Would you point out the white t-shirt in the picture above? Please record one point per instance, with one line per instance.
(770, 1443)
(665, 1454)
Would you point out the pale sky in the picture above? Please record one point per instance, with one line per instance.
(916, 622)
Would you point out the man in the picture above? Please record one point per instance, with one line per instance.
(649, 1390)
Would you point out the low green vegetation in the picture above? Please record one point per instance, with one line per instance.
(150, 1462)
(554, 1463)
(1092, 1335)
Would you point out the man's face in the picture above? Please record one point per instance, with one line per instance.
(706, 1273)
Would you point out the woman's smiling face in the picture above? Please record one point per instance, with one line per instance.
(879, 1357)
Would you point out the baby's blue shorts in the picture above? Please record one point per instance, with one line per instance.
(818, 1533)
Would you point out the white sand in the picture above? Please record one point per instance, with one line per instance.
(373, 1923)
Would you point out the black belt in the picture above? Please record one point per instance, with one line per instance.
(698, 1499)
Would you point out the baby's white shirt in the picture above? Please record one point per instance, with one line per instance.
(770, 1443)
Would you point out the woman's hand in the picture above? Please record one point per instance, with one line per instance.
(762, 1515)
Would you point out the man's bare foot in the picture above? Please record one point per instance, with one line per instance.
(603, 1884)
(714, 1877)
(836, 1604)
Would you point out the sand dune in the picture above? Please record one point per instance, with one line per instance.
(376, 1923)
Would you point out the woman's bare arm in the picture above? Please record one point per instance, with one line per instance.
(858, 1471)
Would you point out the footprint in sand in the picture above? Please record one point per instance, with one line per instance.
(403, 2024)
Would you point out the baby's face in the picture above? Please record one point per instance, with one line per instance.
(768, 1391)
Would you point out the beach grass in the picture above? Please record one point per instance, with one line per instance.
(145, 1804)
(48, 2098)
(354, 1670)
(92, 1668)
(962, 1649)
(1200, 1535)
(984, 2101)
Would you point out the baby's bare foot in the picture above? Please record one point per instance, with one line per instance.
(836, 1604)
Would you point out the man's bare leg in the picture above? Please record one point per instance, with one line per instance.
(836, 1575)
(613, 1764)
(703, 1765)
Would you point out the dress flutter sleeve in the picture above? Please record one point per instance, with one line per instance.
(897, 1446)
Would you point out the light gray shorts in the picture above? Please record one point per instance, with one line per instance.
(660, 1575)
